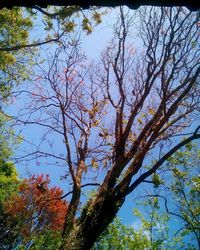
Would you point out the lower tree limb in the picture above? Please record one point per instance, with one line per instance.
(95, 218)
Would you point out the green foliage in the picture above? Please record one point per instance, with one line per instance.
(156, 180)
(14, 27)
(86, 25)
(8, 173)
(180, 201)
(155, 223)
(8, 185)
(67, 18)
(8, 139)
(14, 31)
(119, 236)
(48, 239)
(8, 180)
(185, 187)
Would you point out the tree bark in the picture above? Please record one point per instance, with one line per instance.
(95, 218)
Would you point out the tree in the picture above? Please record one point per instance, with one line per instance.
(8, 179)
(38, 212)
(8, 185)
(174, 197)
(156, 223)
(14, 31)
(184, 188)
(113, 117)
(177, 194)
(57, 22)
(18, 43)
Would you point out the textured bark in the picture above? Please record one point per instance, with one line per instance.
(94, 220)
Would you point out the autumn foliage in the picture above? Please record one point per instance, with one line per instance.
(37, 206)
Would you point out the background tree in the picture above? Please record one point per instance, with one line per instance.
(38, 212)
(57, 22)
(184, 189)
(150, 233)
(176, 193)
(14, 31)
(18, 42)
(8, 185)
(113, 119)
(8, 179)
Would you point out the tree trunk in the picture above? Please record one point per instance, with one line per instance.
(95, 218)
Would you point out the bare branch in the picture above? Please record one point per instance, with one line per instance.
(195, 136)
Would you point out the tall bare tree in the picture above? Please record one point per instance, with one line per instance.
(112, 117)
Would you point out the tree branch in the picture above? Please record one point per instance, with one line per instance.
(33, 44)
(195, 136)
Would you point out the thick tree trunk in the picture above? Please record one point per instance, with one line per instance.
(94, 220)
